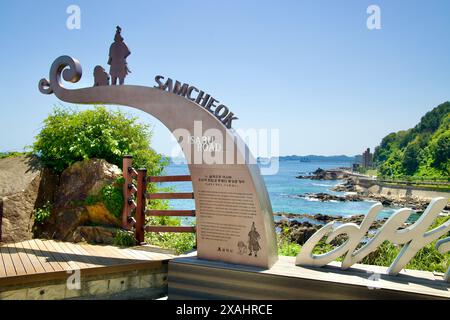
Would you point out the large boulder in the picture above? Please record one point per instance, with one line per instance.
(25, 185)
(95, 234)
(83, 179)
(71, 209)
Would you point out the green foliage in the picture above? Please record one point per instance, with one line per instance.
(124, 238)
(42, 214)
(69, 136)
(411, 160)
(287, 248)
(179, 242)
(11, 154)
(111, 196)
(423, 151)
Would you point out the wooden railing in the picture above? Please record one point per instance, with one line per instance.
(1, 218)
(136, 196)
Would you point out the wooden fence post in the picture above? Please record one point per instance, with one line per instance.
(1, 217)
(141, 202)
(128, 180)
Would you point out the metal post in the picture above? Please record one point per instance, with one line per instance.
(141, 201)
(128, 179)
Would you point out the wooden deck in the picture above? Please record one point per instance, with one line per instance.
(42, 260)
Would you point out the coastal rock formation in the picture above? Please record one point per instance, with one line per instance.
(298, 232)
(321, 174)
(94, 234)
(301, 231)
(62, 223)
(83, 179)
(25, 185)
(71, 209)
(330, 197)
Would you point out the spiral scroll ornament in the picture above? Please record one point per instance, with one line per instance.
(68, 67)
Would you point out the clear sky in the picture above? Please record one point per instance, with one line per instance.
(311, 69)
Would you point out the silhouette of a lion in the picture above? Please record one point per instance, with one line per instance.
(101, 78)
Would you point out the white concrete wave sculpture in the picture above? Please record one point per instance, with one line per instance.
(413, 238)
(227, 214)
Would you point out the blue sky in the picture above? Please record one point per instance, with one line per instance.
(311, 69)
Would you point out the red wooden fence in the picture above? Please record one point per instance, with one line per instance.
(136, 196)
(1, 218)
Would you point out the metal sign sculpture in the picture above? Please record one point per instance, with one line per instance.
(118, 53)
(231, 198)
(413, 238)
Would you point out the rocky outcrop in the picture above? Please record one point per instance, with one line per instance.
(330, 197)
(25, 185)
(300, 231)
(321, 174)
(83, 179)
(94, 234)
(71, 209)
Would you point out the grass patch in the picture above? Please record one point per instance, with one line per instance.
(124, 238)
(111, 196)
(179, 242)
(42, 214)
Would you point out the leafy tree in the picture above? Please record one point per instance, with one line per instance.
(69, 136)
(442, 150)
(411, 158)
(432, 119)
(421, 151)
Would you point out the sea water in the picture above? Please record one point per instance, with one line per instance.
(285, 190)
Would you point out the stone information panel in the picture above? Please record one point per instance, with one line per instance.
(229, 227)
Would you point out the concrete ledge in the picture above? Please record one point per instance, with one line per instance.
(192, 278)
(150, 283)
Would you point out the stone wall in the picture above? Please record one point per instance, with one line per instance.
(402, 192)
(398, 191)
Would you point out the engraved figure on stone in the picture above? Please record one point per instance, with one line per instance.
(242, 247)
(118, 53)
(253, 244)
(101, 77)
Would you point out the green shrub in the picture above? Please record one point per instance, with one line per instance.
(287, 248)
(43, 213)
(112, 197)
(179, 242)
(124, 238)
(69, 136)
(11, 154)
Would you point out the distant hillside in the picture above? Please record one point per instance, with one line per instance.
(309, 158)
(315, 158)
(422, 151)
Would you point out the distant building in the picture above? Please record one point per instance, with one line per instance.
(367, 159)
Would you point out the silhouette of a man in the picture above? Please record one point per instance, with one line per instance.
(118, 53)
